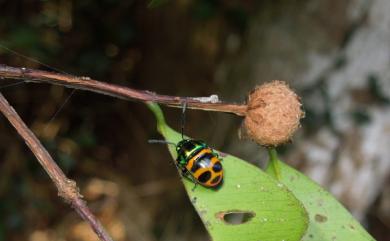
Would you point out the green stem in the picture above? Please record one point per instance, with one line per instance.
(274, 162)
(159, 116)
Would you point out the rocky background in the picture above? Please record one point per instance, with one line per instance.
(334, 53)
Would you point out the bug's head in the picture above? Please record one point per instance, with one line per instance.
(189, 145)
(181, 144)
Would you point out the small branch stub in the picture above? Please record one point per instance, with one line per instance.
(273, 114)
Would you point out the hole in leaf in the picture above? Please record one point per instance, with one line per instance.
(236, 217)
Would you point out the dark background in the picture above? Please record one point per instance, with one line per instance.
(181, 48)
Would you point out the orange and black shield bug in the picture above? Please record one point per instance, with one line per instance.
(199, 162)
(196, 160)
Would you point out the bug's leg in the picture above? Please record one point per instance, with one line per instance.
(216, 154)
(185, 173)
(189, 176)
(195, 184)
(182, 171)
(194, 181)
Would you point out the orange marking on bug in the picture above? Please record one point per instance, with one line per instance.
(194, 158)
(213, 174)
(210, 183)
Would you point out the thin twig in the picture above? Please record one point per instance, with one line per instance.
(85, 83)
(67, 188)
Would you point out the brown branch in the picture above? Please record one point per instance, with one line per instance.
(67, 188)
(85, 83)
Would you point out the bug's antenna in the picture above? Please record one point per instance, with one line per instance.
(183, 118)
(161, 142)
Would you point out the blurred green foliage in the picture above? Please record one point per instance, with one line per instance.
(161, 49)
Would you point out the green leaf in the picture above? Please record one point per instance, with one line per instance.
(272, 212)
(328, 219)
